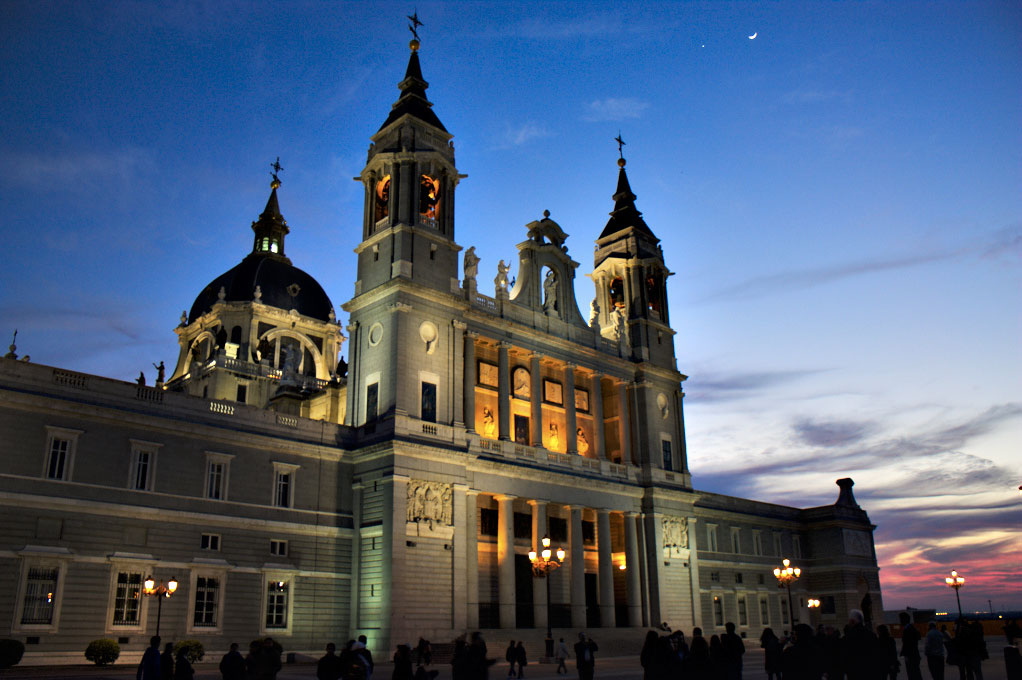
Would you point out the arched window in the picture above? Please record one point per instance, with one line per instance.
(429, 198)
(236, 335)
(381, 199)
(617, 293)
(654, 295)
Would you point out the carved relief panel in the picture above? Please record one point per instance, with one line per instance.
(675, 533)
(431, 502)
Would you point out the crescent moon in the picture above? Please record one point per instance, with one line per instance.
(753, 36)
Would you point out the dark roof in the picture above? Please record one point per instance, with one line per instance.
(277, 280)
(625, 214)
(413, 99)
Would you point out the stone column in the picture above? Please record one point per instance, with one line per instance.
(539, 530)
(459, 563)
(471, 560)
(506, 560)
(577, 560)
(625, 424)
(456, 381)
(596, 408)
(393, 554)
(536, 400)
(603, 542)
(356, 553)
(693, 574)
(503, 393)
(654, 561)
(632, 571)
(469, 402)
(570, 422)
(350, 415)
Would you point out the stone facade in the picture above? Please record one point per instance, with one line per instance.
(400, 499)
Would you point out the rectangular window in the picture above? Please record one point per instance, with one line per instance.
(207, 599)
(718, 610)
(276, 604)
(523, 525)
(738, 577)
(736, 541)
(242, 393)
(711, 537)
(743, 611)
(127, 598)
(714, 577)
(278, 548)
(588, 532)
(668, 455)
(282, 490)
(40, 595)
(487, 522)
(218, 468)
(372, 402)
(428, 402)
(764, 611)
(777, 545)
(56, 464)
(757, 542)
(796, 547)
(762, 580)
(521, 429)
(140, 477)
(558, 529)
(827, 604)
(209, 542)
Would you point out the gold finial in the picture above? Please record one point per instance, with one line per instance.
(277, 167)
(413, 27)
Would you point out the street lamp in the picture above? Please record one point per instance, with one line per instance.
(160, 591)
(813, 604)
(785, 576)
(542, 565)
(955, 581)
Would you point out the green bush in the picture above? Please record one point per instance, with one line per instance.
(11, 652)
(193, 650)
(103, 651)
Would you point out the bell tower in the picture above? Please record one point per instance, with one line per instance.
(410, 179)
(631, 282)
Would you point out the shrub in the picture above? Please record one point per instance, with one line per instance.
(193, 650)
(103, 651)
(11, 652)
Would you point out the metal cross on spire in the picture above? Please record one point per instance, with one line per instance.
(277, 167)
(413, 27)
(620, 144)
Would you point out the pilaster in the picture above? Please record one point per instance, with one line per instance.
(577, 564)
(506, 560)
(603, 542)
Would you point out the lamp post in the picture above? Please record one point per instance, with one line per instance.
(786, 575)
(160, 591)
(542, 566)
(955, 581)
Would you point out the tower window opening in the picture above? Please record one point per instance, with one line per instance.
(617, 293)
(265, 244)
(429, 199)
(382, 199)
(653, 295)
(273, 246)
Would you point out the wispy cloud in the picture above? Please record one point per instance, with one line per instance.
(521, 134)
(815, 96)
(85, 169)
(717, 387)
(831, 433)
(614, 109)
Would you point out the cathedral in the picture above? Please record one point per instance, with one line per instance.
(272, 488)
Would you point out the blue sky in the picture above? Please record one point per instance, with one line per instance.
(839, 200)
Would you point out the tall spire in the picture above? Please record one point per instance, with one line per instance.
(413, 100)
(271, 227)
(625, 214)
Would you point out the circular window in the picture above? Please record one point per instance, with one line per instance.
(375, 334)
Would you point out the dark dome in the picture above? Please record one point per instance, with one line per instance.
(282, 285)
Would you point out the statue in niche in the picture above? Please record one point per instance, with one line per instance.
(554, 438)
(431, 502)
(550, 292)
(620, 325)
(489, 429)
(583, 443)
(471, 264)
(500, 281)
(263, 350)
(675, 532)
(289, 372)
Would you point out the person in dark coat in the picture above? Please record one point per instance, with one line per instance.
(585, 657)
(910, 647)
(149, 666)
(509, 656)
(402, 664)
(772, 653)
(167, 662)
(329, 665)
(460, 669)
(887, 663)
(264, 662)
(232, 665)
(423, 653)
(520, 658)
(647, 657)
(734, 649)
(802, 659)
(859, 649)
(697, 665)
(718, 659)
(183, 667)
(479, 665)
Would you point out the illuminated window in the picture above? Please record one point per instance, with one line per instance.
(40, 595)
(718, 610)
(429, 198)
(273, 246)
(653, 295)
(617, 293)
(127, 598)
(382, 199)
(276, 604)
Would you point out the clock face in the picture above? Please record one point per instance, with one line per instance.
(520, 382)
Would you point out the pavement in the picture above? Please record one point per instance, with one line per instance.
(616, 668)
